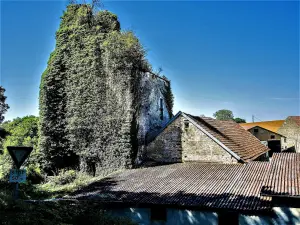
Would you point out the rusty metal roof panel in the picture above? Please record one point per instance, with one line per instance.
(207, 185)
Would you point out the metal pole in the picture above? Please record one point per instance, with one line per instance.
(16, 191)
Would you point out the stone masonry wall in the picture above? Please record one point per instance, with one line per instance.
(292, 131)
(151, 119)
(166, 147)
(197, 146)
(182, 141)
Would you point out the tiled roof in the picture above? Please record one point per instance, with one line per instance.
(296, 119)
(283, 178)
(201, 185)
(233, 136)
(273, 125)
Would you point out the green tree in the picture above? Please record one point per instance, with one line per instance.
(21, 132)
(239, 120)
(223, 114)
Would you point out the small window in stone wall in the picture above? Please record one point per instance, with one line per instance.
(158, 214)
(255, 130)
(186, 124)
(272, 136)
(285, 140)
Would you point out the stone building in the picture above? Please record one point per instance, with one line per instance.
(154, 111)
(275, 141)
(189, 138)
(291, 129)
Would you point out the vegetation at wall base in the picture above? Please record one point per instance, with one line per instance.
(54, 212)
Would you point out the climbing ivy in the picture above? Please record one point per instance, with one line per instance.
(87, 92)
(90, 93)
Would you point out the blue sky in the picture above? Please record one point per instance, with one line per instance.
(239, 55)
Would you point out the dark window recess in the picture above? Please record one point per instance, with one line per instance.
(285, 140)
(255, 130)
(272, 136)
(186, 125)
(158, 213)
(161, 108)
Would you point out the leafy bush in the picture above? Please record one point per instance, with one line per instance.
(65, 177)
(5, 165)
(34, 175)
(22, 132)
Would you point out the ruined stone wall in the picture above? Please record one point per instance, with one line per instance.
(96, 101)
(152, 116)
(292, 131)
(166, 147)
(182, 141)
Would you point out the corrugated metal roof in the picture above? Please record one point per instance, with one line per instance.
(201, 185)
(283, 178)
(273, 125)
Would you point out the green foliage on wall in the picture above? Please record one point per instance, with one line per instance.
(169, 98)
(89, 93)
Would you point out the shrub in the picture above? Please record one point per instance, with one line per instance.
(65, 177)
(34, 175)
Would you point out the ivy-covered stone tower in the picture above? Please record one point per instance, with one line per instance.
(98, 97)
